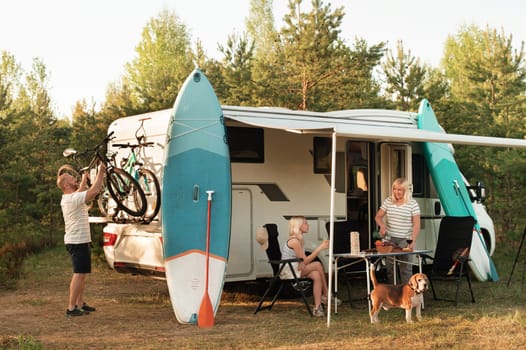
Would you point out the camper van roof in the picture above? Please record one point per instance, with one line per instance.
(361, 124)
(366, 124)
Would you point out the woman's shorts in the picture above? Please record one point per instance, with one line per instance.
(80, 257)
(286, 273)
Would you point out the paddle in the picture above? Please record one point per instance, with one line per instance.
(205, 317)
(463, 254)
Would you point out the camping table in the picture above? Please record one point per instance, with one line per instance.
(367, 258)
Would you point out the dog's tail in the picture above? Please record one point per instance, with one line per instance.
(373, 274)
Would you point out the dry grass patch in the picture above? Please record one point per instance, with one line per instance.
(134, 312)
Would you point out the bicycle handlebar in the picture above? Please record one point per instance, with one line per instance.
(95, 149)
(102, 143)
(129, 145)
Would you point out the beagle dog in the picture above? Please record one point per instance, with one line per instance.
(405, 296)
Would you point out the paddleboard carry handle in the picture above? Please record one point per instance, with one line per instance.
(196, 193)
(457, 189)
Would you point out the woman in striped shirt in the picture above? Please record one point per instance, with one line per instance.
(399, 221)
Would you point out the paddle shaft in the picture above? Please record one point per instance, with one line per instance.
(205, 317)
(208, 238)
(464, 253)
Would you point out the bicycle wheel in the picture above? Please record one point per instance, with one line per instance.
(126, 191)
(103, 200)
(152, 190)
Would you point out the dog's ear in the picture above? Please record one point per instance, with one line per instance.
(426, 278)
(413, 283)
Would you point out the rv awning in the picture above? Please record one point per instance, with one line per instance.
(377, 125)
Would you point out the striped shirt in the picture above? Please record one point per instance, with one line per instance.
(399, 218)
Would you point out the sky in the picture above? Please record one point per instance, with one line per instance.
(85, 44)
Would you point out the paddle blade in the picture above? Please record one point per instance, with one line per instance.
(205, 318)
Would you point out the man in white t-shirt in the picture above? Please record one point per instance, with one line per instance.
(77, 236)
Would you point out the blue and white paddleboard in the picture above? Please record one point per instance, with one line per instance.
(453, 194)
(196, 160)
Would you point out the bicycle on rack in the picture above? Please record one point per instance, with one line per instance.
(147, 180)
(120, 185)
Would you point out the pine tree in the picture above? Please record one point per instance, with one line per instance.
(164, 60)
(487, 90)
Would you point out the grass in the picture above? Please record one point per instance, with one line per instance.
(134, 312)
(19, 343)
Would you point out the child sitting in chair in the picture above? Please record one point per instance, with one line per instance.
(309, 267)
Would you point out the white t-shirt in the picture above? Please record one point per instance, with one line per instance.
(76, 218)
(399, 218)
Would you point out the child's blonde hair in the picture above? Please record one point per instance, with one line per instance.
(295, 224)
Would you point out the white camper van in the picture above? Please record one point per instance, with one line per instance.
(281, 167)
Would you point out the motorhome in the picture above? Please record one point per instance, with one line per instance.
(281, 163)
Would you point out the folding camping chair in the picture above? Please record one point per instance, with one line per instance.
(452, 254)
(300, 285)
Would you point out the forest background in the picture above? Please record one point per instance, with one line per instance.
(479, 88)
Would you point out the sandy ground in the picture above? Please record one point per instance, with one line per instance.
(132, 311)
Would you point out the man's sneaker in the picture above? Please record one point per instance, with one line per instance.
(318, 311)
(76, 312)
(85, 307)
(325, 300)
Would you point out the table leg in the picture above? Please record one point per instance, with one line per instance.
(368, 279)
(394, 269)
(335, 285)
(420, 270)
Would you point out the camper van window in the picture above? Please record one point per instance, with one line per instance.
(322, 155)
(360, 178)
(398, 163)
(246, 144)
(419, 175)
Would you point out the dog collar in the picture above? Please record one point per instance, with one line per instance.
(416, 290)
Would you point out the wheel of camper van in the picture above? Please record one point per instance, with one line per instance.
(152, 190)
(125, 190)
